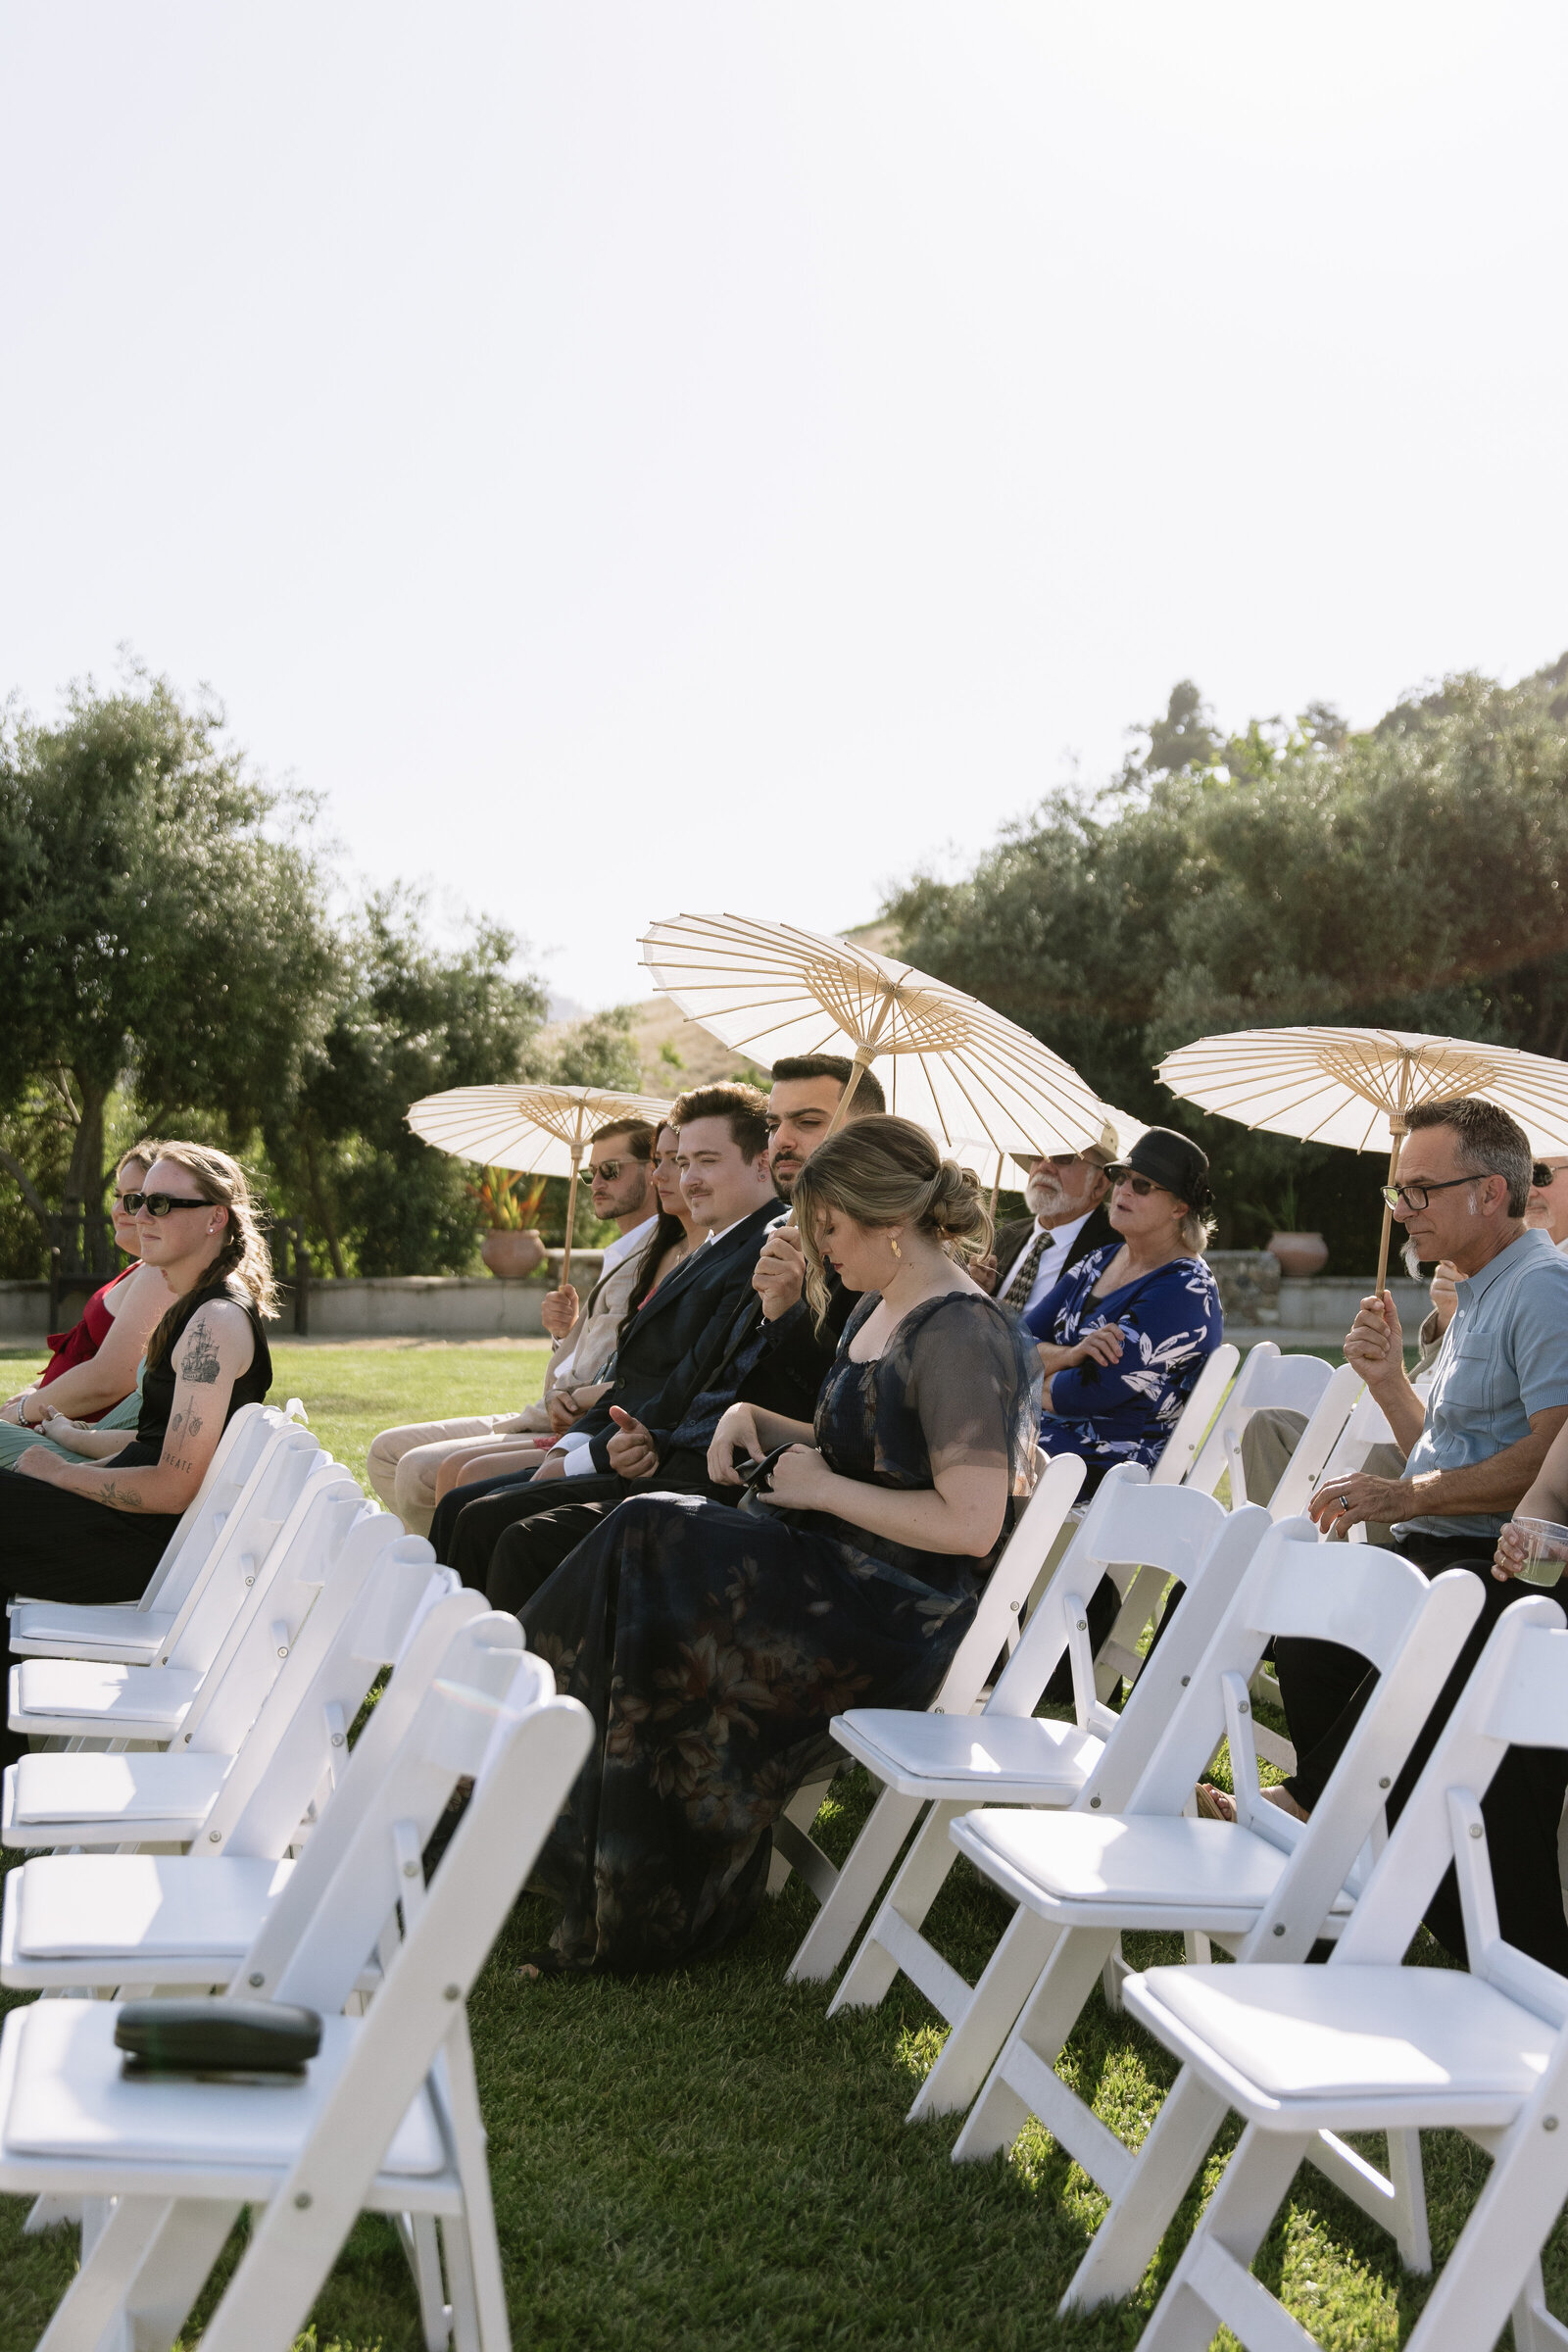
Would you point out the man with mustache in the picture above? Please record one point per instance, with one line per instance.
(1065, 1194)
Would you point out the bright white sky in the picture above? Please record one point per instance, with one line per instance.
(634, 458)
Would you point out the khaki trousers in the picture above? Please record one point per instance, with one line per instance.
(403, 1462)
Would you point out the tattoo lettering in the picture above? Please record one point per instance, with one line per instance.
(199, 1363)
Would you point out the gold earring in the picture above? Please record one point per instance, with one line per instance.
(892, 1245)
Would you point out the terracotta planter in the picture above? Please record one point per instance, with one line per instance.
(1300, 1253)
(511, 1255)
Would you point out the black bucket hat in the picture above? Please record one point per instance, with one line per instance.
(1172, 1160)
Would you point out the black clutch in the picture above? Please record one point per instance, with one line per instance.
(216, 2038)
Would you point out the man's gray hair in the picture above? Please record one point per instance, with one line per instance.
(1489, 1143)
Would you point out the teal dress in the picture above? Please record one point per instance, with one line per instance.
(15, 1441)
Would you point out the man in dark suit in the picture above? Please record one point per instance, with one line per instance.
(767, 1351)
(1065, 1194)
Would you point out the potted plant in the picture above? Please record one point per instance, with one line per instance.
(1300, 1253)
(509, 1206)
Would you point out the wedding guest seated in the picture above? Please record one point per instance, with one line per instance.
(1546, 1211)
(404, 1462)
(91, 1372)
(773, 1352)
(1476, 1448)
(1065, 1194)
(669, 1236)
(95, 1530)
(715, 1644)
(1125, 1333)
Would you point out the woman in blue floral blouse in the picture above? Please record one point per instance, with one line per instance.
(1126, 1332)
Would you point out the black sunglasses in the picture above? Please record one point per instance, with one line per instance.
(160, 1204)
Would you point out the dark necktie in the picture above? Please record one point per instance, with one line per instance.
(1023, 1282)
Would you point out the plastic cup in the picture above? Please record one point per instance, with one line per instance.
(1545, 1551)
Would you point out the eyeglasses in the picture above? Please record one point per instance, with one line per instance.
(160, 1204)
(607, 1169)
(1414, 1196)
(1543, 1175)
(1143, 1186)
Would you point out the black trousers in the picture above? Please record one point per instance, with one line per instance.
(508, 1542)
(60, 1546)
(1325, 1686)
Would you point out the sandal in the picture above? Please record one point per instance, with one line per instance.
(1216, 1805)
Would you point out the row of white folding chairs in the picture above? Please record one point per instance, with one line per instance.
(387, 2116)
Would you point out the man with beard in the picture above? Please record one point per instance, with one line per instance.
(766, 1352)
(1065, 1194)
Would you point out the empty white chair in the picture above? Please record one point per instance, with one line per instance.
(1365, 2044)
(846, 1895)
(252, 1482)
(386, 2118)
(1308, 1466)
(211, 1663)
(1264, 1885)
(1266, 1381)
(98, 1920)
(1008, 1754)
(93, 1798)
(1184, 1442)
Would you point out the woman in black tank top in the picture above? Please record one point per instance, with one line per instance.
(94, 1528)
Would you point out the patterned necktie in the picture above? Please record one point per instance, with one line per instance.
(1023, 1282)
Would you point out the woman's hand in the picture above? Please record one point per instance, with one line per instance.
(38, 1462)
(563, 1409)
(1102, 1345)
(801, 1481)
(1511, 1553)
(736, 1427)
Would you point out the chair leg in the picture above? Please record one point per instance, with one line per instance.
(170, 2244)
(838, 1922)
(1212, 2285)
(919, 1881)
(1122, 2248)
(1046, 2019)
(799, 1814)
(478, 2289)
(1534, 2327)
(967, 2055)
(421, 2244)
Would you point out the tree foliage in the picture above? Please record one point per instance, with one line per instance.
(1413, 876)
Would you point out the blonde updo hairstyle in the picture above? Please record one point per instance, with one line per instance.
(886, 1171)
(243, 1266)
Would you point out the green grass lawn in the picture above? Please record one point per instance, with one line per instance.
(704, 2161)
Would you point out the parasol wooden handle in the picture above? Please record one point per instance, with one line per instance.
(1396, 1130)
(571, 1215)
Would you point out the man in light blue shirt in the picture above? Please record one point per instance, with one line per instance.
(1498, 1396)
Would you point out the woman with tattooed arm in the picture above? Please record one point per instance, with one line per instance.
(93, 1529)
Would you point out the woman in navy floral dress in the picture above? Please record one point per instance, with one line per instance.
(715, 1644)
(1127, 1331)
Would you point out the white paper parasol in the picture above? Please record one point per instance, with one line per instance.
(542, 1129)
(979, 1083)
(1355, 1087)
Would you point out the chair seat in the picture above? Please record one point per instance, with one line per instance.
(80, 1630)
(1310, 2049)
(1119, 1869)
(1008, 1758)
(99, 1694)
(63, 2099)
(133, 1910)
(102, 1798)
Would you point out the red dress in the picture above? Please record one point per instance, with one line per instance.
(82, 1343)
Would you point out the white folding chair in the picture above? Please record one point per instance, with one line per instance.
(1365, 2044)
(106, 1920)
(262, 1460)
(387, 2118)
(96, 1700)
(94, 1798)
(1009, 1754)
(846, 1895)
(1266, 1381)
(1184, 1442)
(1265, 1884)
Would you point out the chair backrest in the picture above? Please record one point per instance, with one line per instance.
(372, 1593)
(287, 1586)
(1009, 1585)
(1266, 1381)
(1130, 1525)
(525, 1748)
(239, 1560)
(237, 1462)
(1517, 1696)
(1304, 1472)
(434, 1644)
(1186, 1437)
(1368, 1599)
(332, 1913)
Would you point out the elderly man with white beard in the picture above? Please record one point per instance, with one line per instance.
(1065, 1194)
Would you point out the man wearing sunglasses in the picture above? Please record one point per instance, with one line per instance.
(1065, 1194)
(1498, 1396)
